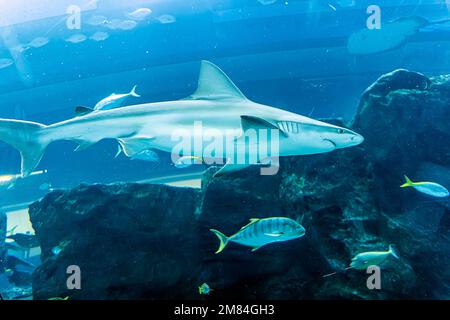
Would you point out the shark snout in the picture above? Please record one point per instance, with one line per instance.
(357, 139)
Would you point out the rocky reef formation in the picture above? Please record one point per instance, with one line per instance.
(153, 241)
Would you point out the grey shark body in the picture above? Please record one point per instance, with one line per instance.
(217, 104)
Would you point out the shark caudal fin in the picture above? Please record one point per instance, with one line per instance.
(133, 92)
(408, 183)
(26, 137)
(223, 239)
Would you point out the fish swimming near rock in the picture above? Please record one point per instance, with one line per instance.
(390, 36)
(59, 298)
(372, 258)
(365, 259)
(187, 161)
(146, 155)
(56, 250)
(430, 188)
(204, 289)
(110, 102)
(261, 232)
(217, 104)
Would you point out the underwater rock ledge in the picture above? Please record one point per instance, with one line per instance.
(138, 241)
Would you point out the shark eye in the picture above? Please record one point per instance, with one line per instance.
(340, 131)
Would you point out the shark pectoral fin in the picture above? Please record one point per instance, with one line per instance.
(228, 168)
(136, 144)
(214, 84)
(119, 151)
(256, 123)
(81, 111)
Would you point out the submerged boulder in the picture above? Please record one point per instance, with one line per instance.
(153, 241)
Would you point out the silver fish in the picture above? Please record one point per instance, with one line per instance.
(261, 232)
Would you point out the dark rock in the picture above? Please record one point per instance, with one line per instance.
(153, 241)
(130, 241)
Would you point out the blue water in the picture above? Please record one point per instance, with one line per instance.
(290, 54)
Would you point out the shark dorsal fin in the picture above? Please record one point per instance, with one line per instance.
(214, 84)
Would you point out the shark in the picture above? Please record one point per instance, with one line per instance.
(217, 103)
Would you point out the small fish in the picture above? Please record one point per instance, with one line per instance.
(97, 20)
(146, 155)
(38, 42)
(60, 247)
(58, 298)
(5, 62)
(261, 232)
(140, 14)
(372, 258)
(46, 187)
(204, 289)
(166, 19)
(76, 38)
(113, 23)
(121, 24)
(187, 161)
(99, 36)
(115, 100)
(267, 2)
(430, 188)
(392, 35)
(127, 25)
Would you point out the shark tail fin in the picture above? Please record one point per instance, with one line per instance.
(27, 138)
(134, 93)
(392, 251)
(223, 240)
(408, 183)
